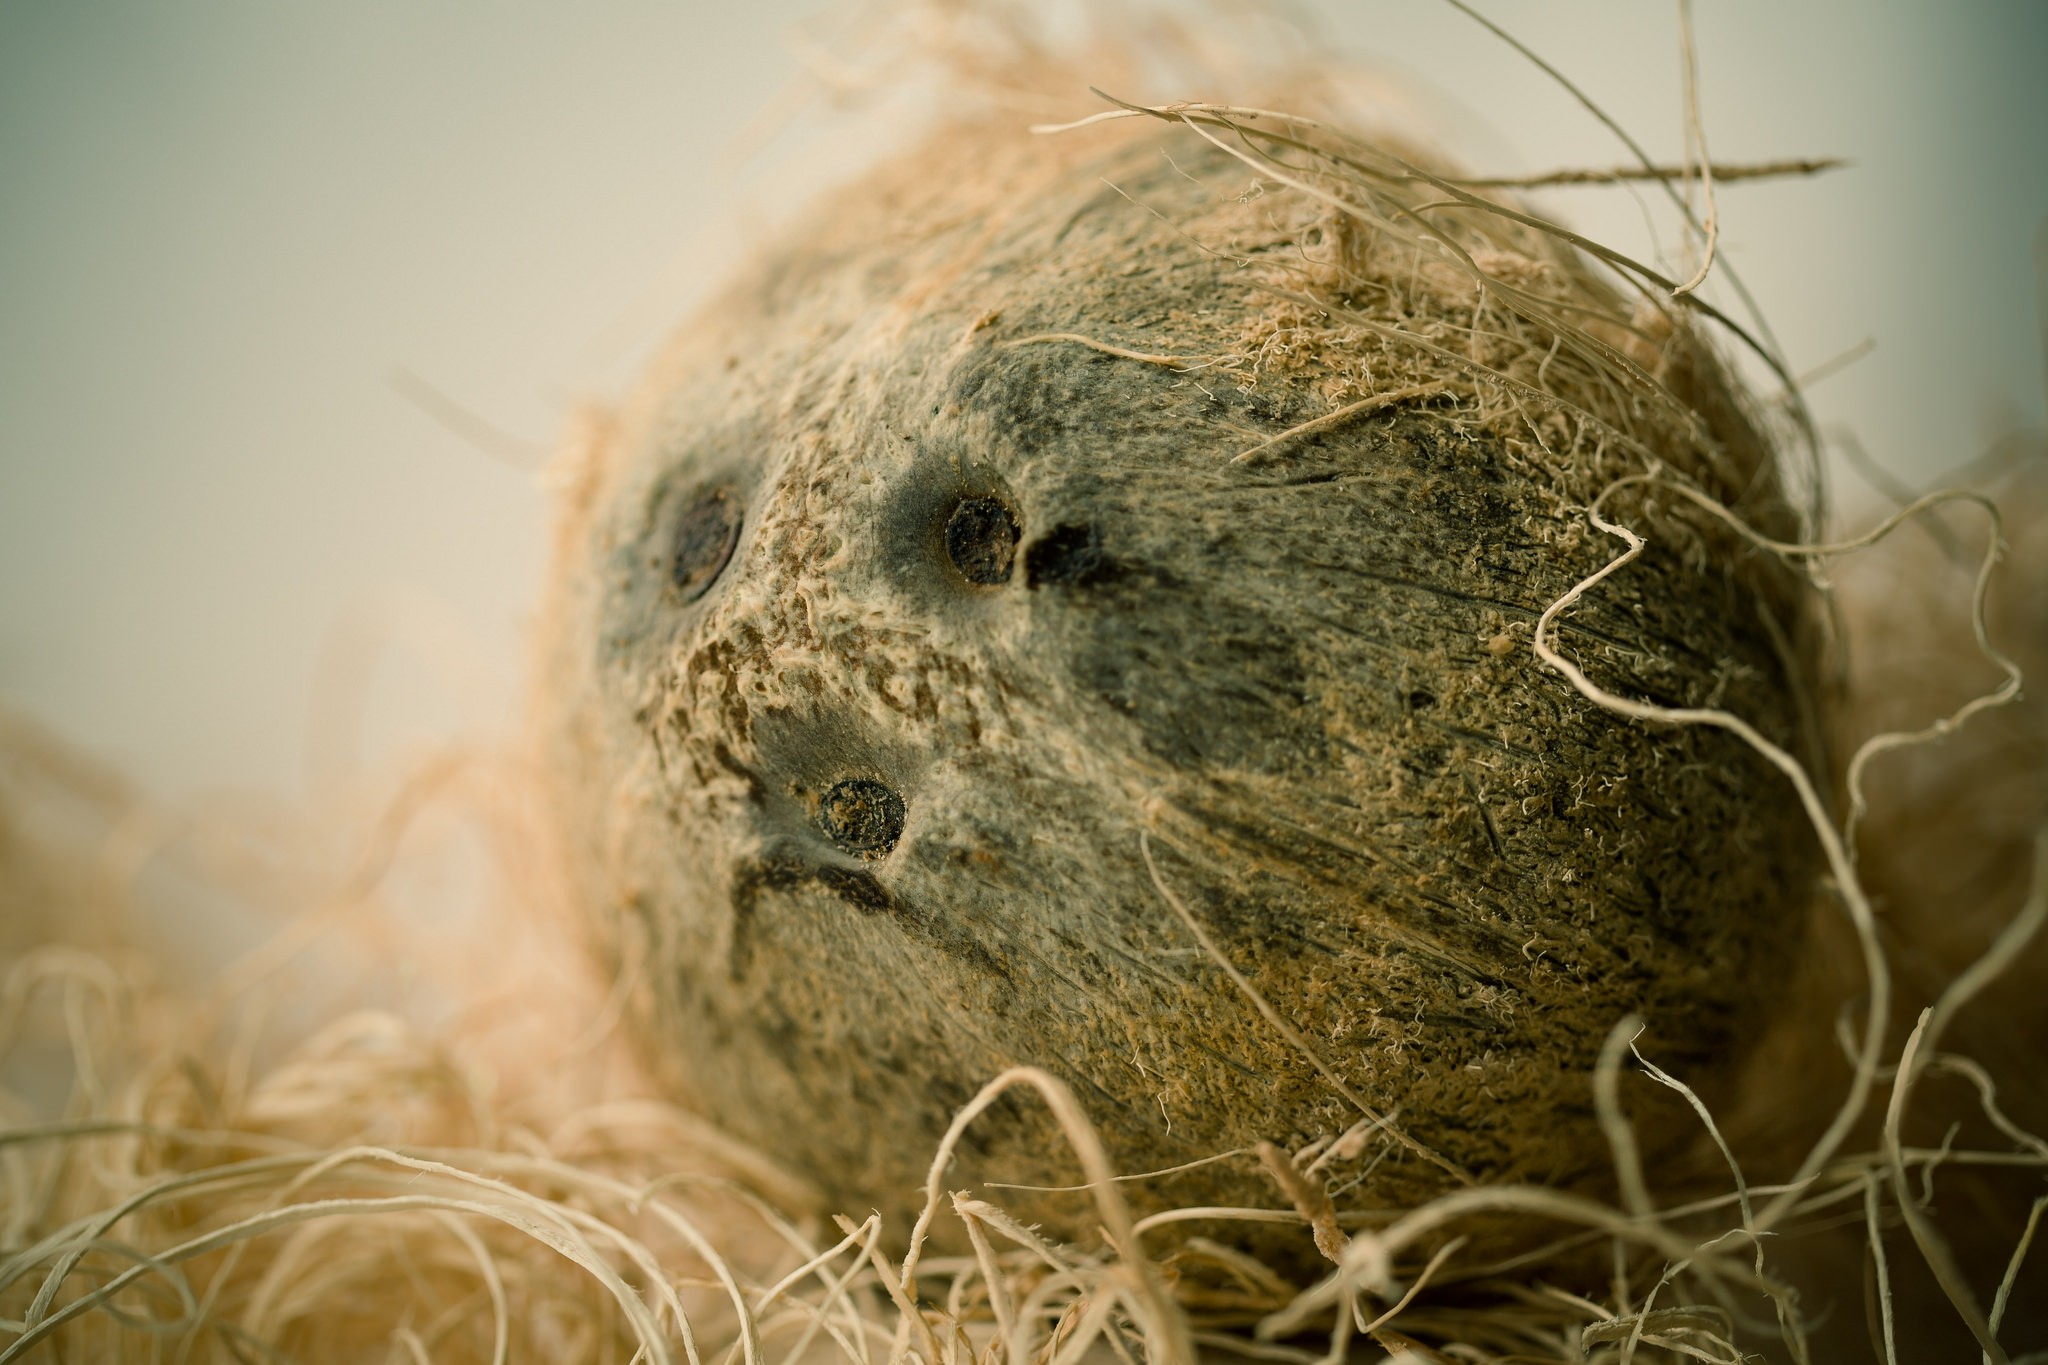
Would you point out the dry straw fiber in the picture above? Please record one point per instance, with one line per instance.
(1179, 735)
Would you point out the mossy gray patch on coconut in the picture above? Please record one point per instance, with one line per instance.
(1042, 604)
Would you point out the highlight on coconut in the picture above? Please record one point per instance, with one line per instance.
(1170, 729)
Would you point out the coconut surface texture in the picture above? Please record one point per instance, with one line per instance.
(1065, 550)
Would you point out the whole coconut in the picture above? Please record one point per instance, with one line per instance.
(1058, 531)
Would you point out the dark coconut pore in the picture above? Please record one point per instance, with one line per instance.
(862, 816)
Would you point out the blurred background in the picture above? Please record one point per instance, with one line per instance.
(295, 300)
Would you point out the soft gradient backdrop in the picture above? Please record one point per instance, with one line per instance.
(230, 229)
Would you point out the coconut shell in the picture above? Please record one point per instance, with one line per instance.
(1062, 544)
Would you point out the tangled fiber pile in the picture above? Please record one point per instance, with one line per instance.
(1406, 647)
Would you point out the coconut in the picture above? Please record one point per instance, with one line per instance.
(1074, 604)
(1158, 616)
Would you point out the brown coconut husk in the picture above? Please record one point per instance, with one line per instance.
(1241, 802)
(189, 1175)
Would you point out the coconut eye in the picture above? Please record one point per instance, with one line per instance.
(706, 534)
(981, 540)
(862, 816)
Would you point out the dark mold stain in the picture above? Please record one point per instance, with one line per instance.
(854, 887)
(757, 876)
(1067, 557)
